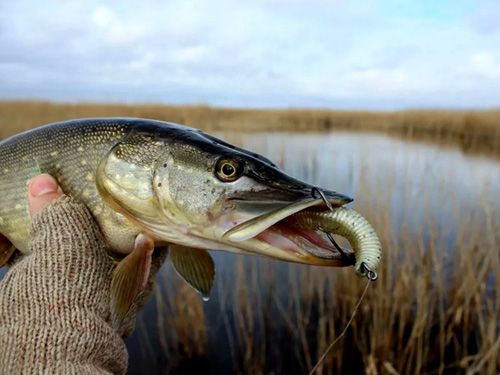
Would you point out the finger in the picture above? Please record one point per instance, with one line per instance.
(42, 191)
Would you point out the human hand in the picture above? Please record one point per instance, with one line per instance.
(55, 303)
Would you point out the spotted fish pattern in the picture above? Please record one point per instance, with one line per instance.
(70, 151)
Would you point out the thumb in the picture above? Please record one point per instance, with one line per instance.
(42, 191)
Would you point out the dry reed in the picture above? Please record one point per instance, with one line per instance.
(472, 131)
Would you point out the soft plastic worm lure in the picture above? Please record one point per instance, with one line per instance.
(350, 225)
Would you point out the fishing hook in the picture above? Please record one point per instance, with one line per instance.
(322, 195)
(370, 274)
(350, 257)
(345, 254)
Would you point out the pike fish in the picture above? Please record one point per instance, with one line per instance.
(149, 183)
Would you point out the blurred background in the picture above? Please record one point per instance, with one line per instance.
(395, 103)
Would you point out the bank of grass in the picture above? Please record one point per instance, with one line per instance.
(472, 131)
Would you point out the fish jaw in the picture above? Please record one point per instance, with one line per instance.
(268, 236)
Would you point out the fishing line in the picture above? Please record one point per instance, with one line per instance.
(370, 274)
(322, 358)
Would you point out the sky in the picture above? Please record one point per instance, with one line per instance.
(339, 54)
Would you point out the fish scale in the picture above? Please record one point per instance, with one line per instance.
(69, 151)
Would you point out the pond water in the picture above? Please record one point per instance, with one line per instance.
(413, 186)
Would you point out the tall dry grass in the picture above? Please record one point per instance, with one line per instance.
(472, 131)
(435, 308)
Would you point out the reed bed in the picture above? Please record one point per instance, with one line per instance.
(435, 308)
(471, 131)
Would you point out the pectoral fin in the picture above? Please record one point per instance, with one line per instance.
(195, 266)
(6, 250)
(130, 278)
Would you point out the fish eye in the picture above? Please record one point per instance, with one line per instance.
(228, 170)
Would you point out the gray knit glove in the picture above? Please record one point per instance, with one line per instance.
(55, 302)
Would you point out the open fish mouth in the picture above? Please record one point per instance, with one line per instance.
(279, 231)
(309, 241)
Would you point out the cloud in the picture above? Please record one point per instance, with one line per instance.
(486, 18)
(356, 54)
(485, 66)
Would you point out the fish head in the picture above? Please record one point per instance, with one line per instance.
(183, 186)
(211, 194)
